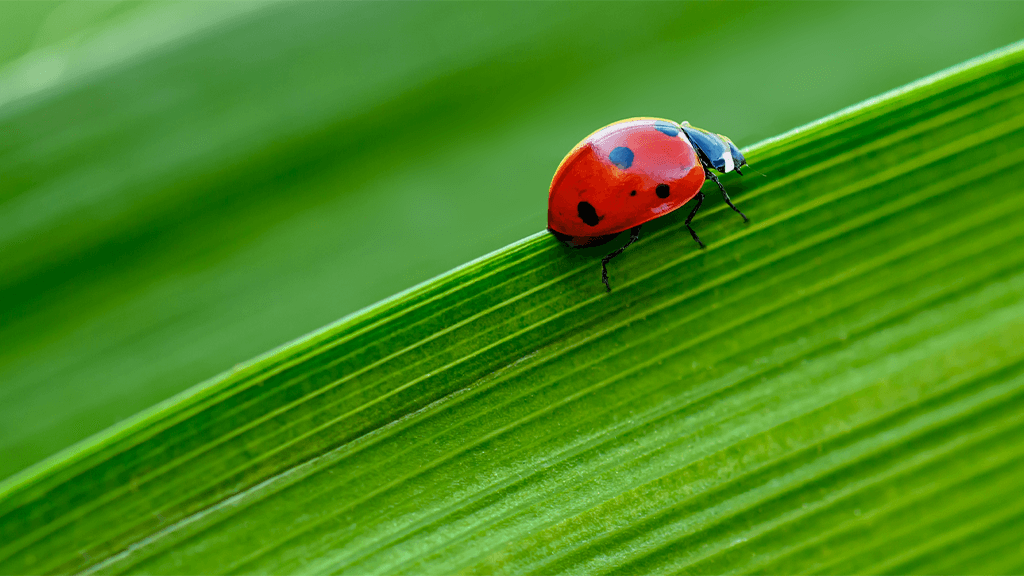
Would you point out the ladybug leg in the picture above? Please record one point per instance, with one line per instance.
(634, 235)
(700, 199)
(725, 194)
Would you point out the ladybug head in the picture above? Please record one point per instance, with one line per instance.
(715, 150)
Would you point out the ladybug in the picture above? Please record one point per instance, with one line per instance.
(631, 172)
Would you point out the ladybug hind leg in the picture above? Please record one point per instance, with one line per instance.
(634, 235)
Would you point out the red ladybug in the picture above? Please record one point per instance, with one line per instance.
(633, 171)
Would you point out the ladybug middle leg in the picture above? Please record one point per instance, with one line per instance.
(700, 200)
(725, 195)
(634, 235)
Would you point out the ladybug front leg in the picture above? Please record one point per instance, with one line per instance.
(700, 200)
(711, 175)
(633, 237)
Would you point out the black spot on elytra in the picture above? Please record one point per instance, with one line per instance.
(587, 214)
(662, 190)
(621, 157)
(633, 193)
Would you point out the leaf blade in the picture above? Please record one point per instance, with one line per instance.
(510, 417)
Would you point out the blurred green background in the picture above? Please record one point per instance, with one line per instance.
(186, 185)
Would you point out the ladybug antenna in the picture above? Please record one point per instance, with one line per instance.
(751, 168)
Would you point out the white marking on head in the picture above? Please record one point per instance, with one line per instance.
(728, 159)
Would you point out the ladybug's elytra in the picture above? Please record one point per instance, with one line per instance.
(631, 172)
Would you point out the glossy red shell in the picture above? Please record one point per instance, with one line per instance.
(588, 175)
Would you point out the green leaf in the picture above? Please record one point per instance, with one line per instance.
(185, 185)
(836, 387)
